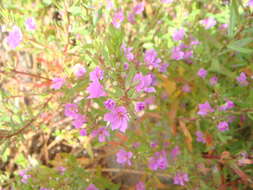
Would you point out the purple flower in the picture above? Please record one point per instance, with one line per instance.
(79, 70)
(205, 108)
(223, 126)
(118, 18)
(30, 24)
(242, 79)
(223, 26)
(92, 187)
(123, 157)
(167, 1)
(127, 51)
(83, 132)
(186, 88)
(102, 133)
(194, 42)
(96, 75)
(188, 54)
(139, 106)
(109, 104)
(200, 137)
(42, 188)
(70, 110)
(131, 18)
(139, 8)
(144, 83)
(228, 105)
(126, 66)
(175, 152)
(158, 161)
(57, 83)
(163, 67)
(140, 186)
(136, 144)
(25, 176)
(79, 120)
(213, 81)
(250, 3)
(177, 53)
(109, 4)
(202, 73)
(151, 58)
(180, 179)
(61, 169)
(118, 118)
(153, 144)
(15, 37)
(178, 35)
(208, 22)
(95, 90)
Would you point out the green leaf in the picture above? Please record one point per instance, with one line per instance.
(239, 45)
(218, 68)
(234, 16)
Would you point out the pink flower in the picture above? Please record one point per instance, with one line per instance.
(175, 152)
(250, 3)
(167, 1)
(123, 157)
(102, 133)
(79, 70)
(158, 161)
(177, 53)
(163, 67)
(208, 22)
(178, 35)
(139, 8)
(109, 104)
(151, 58)
(15, 37)
(61, 169)
(200, 137)
(186, 88)
(223, 126)
(140, 186)
(30, 24)
(223, 26)
(96, 90)
(83, 132)
(118, 118)
(131, 18)
(79, 120)
(109, 4)
(70, 110)
(242, 79)
(127, 51)
(97, 74)
(202, 73)
(180, 179)
(92, 187)
(139, 106)
(213, 81)
(25, 176)
(194, 42)
(57, 83)
(118, 18)
(188, 54)
(205, 108)
(144, 84)
(228, 105)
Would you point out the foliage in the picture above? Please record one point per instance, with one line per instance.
(162, 88)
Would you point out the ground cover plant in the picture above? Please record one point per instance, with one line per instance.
(123, 94)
